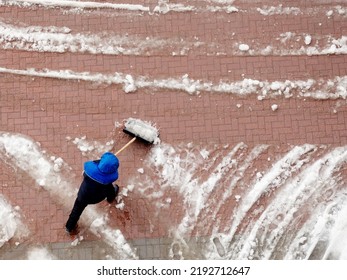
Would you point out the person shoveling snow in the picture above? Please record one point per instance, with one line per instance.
(99, 175)
(97, 185)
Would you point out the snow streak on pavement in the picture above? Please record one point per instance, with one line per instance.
(22, 152)
(330, 89)
(164, 6)
(63, 39)
(285, 209)
(76, 4)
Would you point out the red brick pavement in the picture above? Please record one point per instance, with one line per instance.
(49, 110)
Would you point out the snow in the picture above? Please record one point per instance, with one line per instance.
(274, 107)
(80, 5)
(177, 172)
(301, 176)
(325, 45)
(164, 7)
(141, 170)
(142, 129)
(114, 238)
(308, 39)
(92, 148)
(279, 10)
(325, 89)
(204, 153)
(129, 85)
(225, 2)
(40, 253)
(337, 237)
(63, 39)
(330, 13)
(293, 195)
(341, 10)
(11, 225)
(120, 205)
(25, 154)
(243, 47)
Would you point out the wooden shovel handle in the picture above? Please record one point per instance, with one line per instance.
(126, 146)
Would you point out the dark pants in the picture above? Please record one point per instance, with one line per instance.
(75, 214)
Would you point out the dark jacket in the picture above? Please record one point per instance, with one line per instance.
(92, 192)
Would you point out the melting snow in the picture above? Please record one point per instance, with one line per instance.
(318, 89)
(79, 4)
(40, 253)
(11, 225)
(298, 180)
(92, 148)
(279, 10)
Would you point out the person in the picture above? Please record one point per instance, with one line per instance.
(97, 185)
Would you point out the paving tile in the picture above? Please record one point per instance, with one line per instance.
(51, 110)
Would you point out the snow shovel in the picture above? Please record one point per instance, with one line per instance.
(141, 130)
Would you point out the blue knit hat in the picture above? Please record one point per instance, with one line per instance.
(104, 171)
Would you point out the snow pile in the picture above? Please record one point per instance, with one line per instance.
(10, 222)
(142, 129)
(40, 253)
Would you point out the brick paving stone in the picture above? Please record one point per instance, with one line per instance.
(51, 111)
